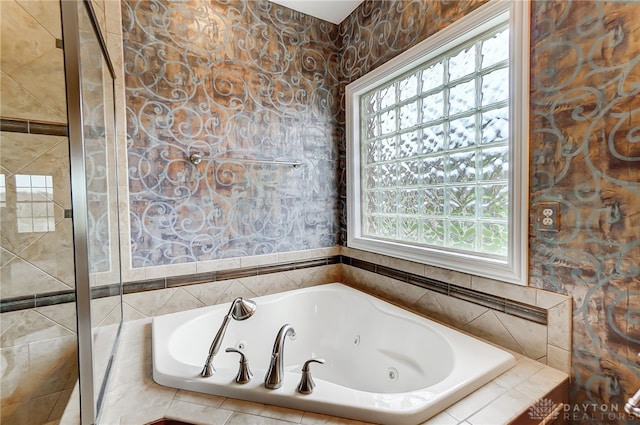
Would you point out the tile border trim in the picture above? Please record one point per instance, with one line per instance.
(14, 125)
(494, 302)
(504, 305)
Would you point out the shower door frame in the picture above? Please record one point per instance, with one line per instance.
(89, 405)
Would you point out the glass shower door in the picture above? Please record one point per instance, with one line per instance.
(92, 134)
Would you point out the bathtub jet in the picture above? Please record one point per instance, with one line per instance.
(241, 309)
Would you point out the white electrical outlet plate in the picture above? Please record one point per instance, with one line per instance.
(548, 216)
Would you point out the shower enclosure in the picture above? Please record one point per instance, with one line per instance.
(61, 273)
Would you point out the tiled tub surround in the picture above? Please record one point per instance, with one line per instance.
(135, 399)
(256, 276)
(513, 323)
(362, 340)
(493, 323)
(530, 321)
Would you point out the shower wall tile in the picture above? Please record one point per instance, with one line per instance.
(39, 369)
(26, 39)
(17, 150)
(31, 327)
(61, 265)
(13, 387)
(20, 277)
(9, 319)
(45, 14)
(42, 79)
(32, 75)
(51, 375)
(18, 102)
(63, 314)
(64, 399)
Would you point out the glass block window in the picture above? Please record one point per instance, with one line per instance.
(34, 203)
(436, 148)
(435, 151)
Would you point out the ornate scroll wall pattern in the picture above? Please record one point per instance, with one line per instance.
(585, 154)
(251, 77)
(243, 79)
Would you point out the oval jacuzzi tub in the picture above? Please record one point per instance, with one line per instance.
(383, 364)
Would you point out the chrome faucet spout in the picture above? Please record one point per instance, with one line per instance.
(273, 379)
(240, 309)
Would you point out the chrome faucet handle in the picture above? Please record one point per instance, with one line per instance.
(306, 384)
(244, 373)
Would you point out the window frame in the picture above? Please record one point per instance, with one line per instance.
(514, 268)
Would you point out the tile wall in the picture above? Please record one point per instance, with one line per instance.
(37, 346)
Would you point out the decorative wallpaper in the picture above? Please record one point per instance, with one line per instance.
(585, 118)
(585, 115)
(244, 79)
(239, 82)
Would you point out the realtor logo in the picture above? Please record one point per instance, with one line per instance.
(543, 409)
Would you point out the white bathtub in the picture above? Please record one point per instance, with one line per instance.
(383, 364)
